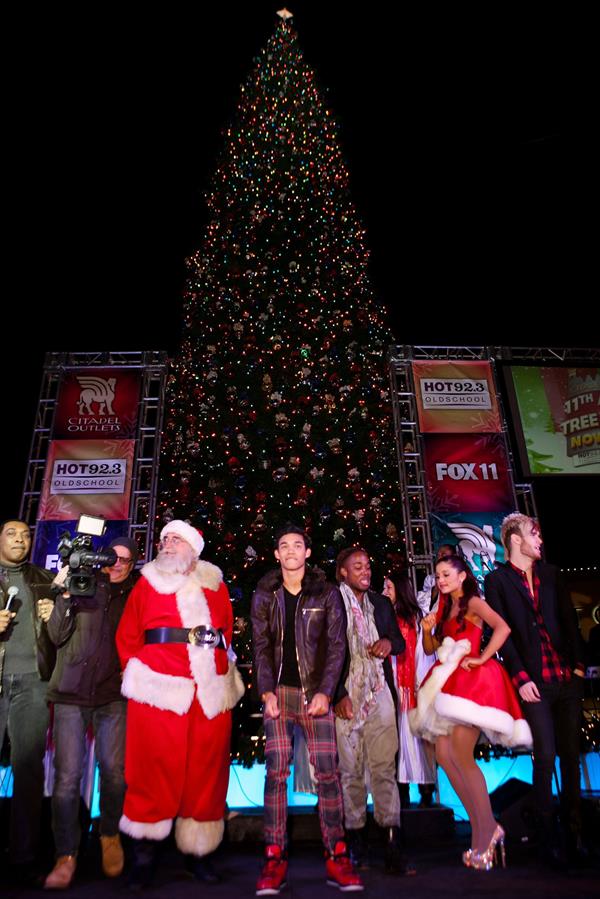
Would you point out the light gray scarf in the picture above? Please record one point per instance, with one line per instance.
(365, 678)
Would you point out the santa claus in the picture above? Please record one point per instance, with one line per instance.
(181, 682)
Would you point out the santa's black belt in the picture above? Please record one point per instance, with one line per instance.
(207, 637)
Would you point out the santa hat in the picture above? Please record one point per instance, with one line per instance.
(188, 533)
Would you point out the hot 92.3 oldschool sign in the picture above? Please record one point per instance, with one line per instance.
(456, 397)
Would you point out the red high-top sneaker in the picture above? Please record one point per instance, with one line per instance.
(274, 872)
(340, 870)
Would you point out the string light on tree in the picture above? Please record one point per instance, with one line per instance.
(278, 402)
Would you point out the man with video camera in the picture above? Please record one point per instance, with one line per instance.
(86, 690)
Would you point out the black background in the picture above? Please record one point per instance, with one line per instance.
(469, 141)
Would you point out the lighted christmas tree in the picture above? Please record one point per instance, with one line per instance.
(278, 405)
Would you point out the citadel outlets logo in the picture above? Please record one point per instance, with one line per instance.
(95, 406)
(98, 403)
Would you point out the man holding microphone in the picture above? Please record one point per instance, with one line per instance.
(27, 658)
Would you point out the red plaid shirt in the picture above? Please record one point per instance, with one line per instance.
(554, 667)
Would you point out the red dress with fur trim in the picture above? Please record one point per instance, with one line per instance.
(482, 697)
(178, 715)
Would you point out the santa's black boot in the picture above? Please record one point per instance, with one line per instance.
(202, 869)
(141, 873)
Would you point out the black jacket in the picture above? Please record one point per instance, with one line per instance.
(387, 627)
(522, 651)
(319, 631)
(88, 671)
(38, 580)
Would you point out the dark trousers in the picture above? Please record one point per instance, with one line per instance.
(555, 723)
(70, 725)
(24, 712)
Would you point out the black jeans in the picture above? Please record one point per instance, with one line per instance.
(555, 723)
(24, 711)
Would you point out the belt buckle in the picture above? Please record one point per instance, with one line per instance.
(203, 636)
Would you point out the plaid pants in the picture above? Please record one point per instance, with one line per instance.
(320, 739)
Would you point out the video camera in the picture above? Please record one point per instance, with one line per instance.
(83, 561)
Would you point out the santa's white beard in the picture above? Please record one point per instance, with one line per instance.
(175, 564)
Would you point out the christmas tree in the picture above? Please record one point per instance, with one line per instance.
(278, 404)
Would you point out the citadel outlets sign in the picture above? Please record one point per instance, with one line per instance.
(91, 454)
(97, 402)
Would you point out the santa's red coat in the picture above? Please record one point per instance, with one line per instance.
(178, 717)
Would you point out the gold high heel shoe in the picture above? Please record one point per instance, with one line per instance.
(495, 852)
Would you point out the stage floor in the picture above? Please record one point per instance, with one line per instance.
(439, 873)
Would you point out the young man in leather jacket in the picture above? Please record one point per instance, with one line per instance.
(299, 651)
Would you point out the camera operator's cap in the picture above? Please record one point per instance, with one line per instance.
(188, 533)
(129, 544)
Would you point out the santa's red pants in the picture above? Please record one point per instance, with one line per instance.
(176, 765)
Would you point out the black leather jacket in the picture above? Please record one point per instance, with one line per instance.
(38, 580)
(319, 630)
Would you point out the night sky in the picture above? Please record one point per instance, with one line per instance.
(469, 144)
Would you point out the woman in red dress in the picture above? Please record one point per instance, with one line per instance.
(467, 693)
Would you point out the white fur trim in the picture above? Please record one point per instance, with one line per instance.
(198, 837)
(216, 692)
(149, 830)
(188, 533)
(498, 726)
(161, 581)
(234, 686)
(204, 573)
(163, 691)
(208, 575)
(522, 735)
(424, 721)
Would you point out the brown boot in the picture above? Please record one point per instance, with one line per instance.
(62, 873)
(113, 859)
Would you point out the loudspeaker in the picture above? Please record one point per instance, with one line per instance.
(511, 804)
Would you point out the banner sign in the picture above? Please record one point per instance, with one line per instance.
(559, 413)
(456, 397)
(91, 476)
(476, 533)
(468, 474)
(98, 402)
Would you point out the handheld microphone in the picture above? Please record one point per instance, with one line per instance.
(12, 592)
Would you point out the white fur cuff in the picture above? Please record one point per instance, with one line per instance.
(149, 830)
(162, 691)
(198, 837)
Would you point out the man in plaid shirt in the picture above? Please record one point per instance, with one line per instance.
(543, 655)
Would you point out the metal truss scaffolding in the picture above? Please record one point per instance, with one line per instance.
(153, 366)
(409, 445)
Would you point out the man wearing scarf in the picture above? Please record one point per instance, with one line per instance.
(366, 725)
